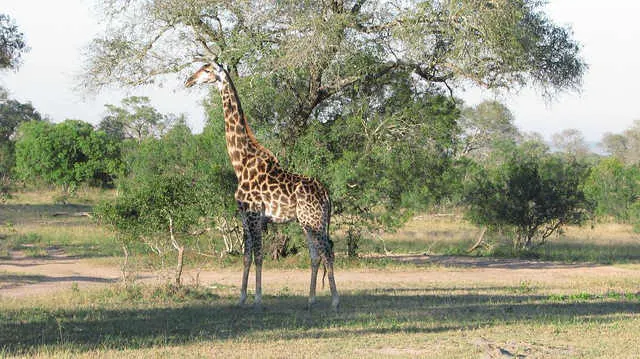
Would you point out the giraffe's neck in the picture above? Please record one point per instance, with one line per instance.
(241, 142)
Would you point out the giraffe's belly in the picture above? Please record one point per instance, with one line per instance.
(280, 214)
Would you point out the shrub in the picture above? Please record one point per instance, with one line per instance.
(531, 196)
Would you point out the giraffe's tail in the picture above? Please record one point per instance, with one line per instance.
(326, 234)
(324, 274)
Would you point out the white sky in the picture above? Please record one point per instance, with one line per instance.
(609, 31)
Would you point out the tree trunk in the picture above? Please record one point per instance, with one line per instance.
(125, 263)
(353, 239)
(180, 249)
(179, 266)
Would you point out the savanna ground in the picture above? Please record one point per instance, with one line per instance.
(413, 294)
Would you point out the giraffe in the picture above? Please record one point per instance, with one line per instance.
(267, 193)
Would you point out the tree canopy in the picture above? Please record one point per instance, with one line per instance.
(314, 51)
(484, 125)
(134, 119)
(571, 142)
(624, 146)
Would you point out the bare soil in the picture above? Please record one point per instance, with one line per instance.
(22, 276)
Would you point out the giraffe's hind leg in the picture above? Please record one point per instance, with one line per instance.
(327, 258)
(312, 241)
(321, 250)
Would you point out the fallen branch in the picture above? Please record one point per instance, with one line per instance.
(73, 214)
(479, 241)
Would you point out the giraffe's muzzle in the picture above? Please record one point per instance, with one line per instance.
(190, 81)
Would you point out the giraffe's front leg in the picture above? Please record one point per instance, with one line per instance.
(248, 245)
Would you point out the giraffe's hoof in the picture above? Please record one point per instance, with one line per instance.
(258, 307)
(310, 305)
(335, 305)
(312, 302)
(242, 301)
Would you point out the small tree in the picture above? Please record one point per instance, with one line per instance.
(534, 197)
(166, 208)
(177, 187)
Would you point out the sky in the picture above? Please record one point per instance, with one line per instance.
(608, 31)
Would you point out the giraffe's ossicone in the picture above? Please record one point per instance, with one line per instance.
(268, 193)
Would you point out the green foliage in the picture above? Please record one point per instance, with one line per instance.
(177, 186)
(614, 188)
(66, 154)
(148, 208)
(531, 196)
(381, 167)
(12, 44)
(12, 114)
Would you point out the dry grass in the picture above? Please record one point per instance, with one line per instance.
(83, 195)
(394, 316)
(33, 225)
(431, 307)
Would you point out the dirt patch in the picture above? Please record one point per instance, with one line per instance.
(520, 350)
(23, 276)
(393, 352)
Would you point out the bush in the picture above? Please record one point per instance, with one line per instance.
(177, 187)
(615, 190)
(66, 154)
(531, 196)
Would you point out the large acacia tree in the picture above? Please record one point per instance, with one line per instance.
(313, 52)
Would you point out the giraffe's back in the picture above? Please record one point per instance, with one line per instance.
(284, 196)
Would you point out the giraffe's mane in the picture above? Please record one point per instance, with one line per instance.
(252, 137)
(254, 141)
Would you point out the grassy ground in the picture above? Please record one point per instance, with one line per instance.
(381, 320)
(32, 223)
(28, 223)
(390, 308)
(607, 243)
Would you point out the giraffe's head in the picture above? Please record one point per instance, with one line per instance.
(210, 73)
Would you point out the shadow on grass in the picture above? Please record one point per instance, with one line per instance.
(14, 280)
(38, 261)
(132, 325)
(602, 253)
(484, 262)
